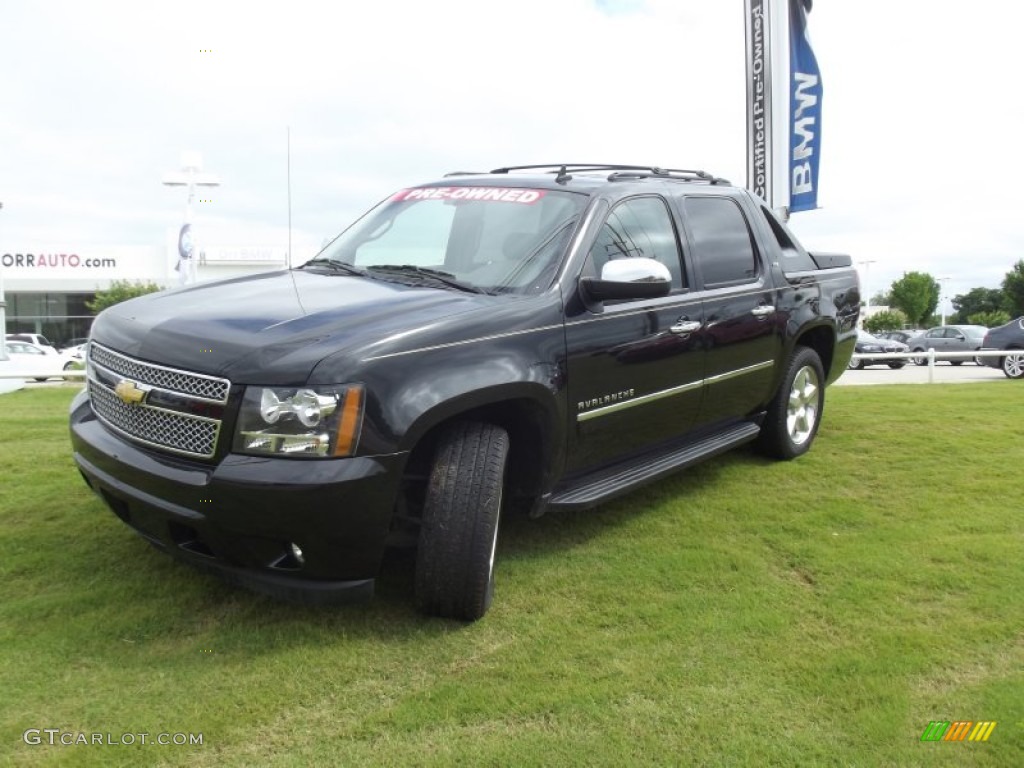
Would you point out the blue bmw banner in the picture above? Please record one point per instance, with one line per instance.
(805, 112)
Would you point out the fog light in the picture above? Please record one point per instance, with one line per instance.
(297, 553)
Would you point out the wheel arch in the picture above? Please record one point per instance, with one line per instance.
(822, 339)
(529, 421)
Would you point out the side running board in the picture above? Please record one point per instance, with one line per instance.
(597, 488)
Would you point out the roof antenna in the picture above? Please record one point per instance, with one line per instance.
(562, 176)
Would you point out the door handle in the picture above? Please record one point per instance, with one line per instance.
(763, 310)
(686, 326)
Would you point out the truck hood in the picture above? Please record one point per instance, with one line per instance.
(272, 328)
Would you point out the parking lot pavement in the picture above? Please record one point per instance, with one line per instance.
(918, 374)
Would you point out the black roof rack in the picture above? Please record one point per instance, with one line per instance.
(631, 171)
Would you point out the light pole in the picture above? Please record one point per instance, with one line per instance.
(191, 176)
(3, 312)
(6, 384)
(864, 283)
(942, 306)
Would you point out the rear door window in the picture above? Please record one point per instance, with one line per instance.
(722, 246)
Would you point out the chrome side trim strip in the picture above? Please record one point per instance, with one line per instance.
(605, 410)
(643, 399)
(464, 342)
(739, 372)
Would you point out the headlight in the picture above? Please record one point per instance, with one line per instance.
(872, 348)
(300, 421)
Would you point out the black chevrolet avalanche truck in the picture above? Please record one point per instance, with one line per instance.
(533, 338)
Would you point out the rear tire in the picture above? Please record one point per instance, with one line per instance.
(459, 533)
(956, 362)
(795, 412)
(896, 366)
(1013, 366)
(855, 365)
(920, 360)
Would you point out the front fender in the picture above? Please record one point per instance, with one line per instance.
(529, 402)
(427, 400)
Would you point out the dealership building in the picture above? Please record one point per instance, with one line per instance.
(47, 287)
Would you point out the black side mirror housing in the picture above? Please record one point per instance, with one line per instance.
(607, 290)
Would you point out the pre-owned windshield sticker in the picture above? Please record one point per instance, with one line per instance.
(488, 194)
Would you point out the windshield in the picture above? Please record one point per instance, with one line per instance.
(499, 239)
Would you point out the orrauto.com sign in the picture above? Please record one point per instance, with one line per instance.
(71, 263)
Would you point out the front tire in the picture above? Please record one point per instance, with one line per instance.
(795, 413)
(459, 532)
(1013, 366)
(855, 365)
(896, 366)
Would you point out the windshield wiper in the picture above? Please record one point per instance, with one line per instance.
(338, 266)
(445, 278)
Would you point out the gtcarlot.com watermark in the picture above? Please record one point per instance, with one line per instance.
(58, 737)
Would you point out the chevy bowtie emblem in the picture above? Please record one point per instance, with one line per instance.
(130, 392)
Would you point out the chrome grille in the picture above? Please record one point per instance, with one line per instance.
(160, 428)
(163, 428)
(195, 384)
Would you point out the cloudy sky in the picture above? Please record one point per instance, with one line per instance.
(921, 161)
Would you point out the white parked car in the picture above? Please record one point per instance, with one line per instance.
(35, 363)
(36, 339)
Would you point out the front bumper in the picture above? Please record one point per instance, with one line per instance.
(992, 362)
(866, 361)
(241, 516)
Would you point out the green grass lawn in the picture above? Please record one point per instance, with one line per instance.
(746, 613)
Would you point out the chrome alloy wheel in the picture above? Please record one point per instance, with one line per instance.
(802, 413)
(1013, 366)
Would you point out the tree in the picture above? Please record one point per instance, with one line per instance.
(990, 319)
(917, 295)
(1013, 289)
(975, 301)
(120, 290)
(881, 299)
(889, 320)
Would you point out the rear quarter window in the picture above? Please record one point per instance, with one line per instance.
(793, 257)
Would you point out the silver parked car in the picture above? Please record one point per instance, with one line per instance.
(36, 339)
(901, 336)
(949, 338)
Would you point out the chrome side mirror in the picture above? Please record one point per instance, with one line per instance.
(629, 278)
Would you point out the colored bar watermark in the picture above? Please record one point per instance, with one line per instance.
(958, 730)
